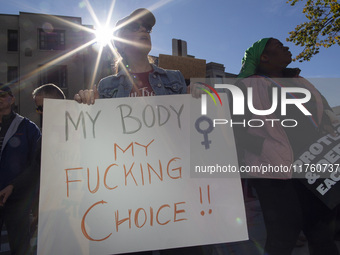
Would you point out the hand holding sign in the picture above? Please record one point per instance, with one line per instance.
(87, 96)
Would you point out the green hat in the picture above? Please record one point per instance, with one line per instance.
(251, 58)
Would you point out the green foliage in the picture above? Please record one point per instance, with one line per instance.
(321, 29)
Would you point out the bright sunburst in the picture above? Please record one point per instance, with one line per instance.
(103, 36)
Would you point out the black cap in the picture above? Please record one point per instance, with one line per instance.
(6, 88)
(138, 14)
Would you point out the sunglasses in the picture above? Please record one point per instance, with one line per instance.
(135, 26)
(39, 109)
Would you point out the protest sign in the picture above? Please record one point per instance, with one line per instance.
(319, 168)
(115, 178)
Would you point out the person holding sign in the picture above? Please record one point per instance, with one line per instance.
(137, 77)
(288, 206)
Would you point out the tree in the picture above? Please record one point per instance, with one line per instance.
(321, 29)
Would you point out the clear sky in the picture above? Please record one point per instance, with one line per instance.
(216, 30)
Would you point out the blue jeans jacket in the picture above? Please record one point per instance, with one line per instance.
(163, 82)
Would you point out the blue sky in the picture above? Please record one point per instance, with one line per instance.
(217, 30)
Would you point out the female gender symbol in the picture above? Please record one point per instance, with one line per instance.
(205, 132)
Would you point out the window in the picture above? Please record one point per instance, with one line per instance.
(54, 40)
(12, 40)
(12, 74)
(56, 75)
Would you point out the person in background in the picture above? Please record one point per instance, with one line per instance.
(287, 205)
(48, 90)
(33, 172)
(19, 138)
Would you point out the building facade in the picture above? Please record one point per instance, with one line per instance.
(37, 48)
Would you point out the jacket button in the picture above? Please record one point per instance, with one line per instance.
(174, 87)
(159, 85)
(154, 76)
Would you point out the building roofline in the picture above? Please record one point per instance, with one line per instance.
(45, 14)
(8, 14)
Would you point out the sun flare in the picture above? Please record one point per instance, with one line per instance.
(104, 35)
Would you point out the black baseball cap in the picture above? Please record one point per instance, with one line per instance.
(138, 14)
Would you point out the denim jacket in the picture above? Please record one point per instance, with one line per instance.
(163, 82)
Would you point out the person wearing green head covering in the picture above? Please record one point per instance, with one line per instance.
(258, 59)
(251, 58)
(288, 206)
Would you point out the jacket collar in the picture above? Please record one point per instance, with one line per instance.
(8, 118)
(155, 68)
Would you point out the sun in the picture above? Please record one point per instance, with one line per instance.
(104, 35)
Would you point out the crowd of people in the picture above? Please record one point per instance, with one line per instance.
(288, 206)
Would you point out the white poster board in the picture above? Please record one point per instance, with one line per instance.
(115, 178)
